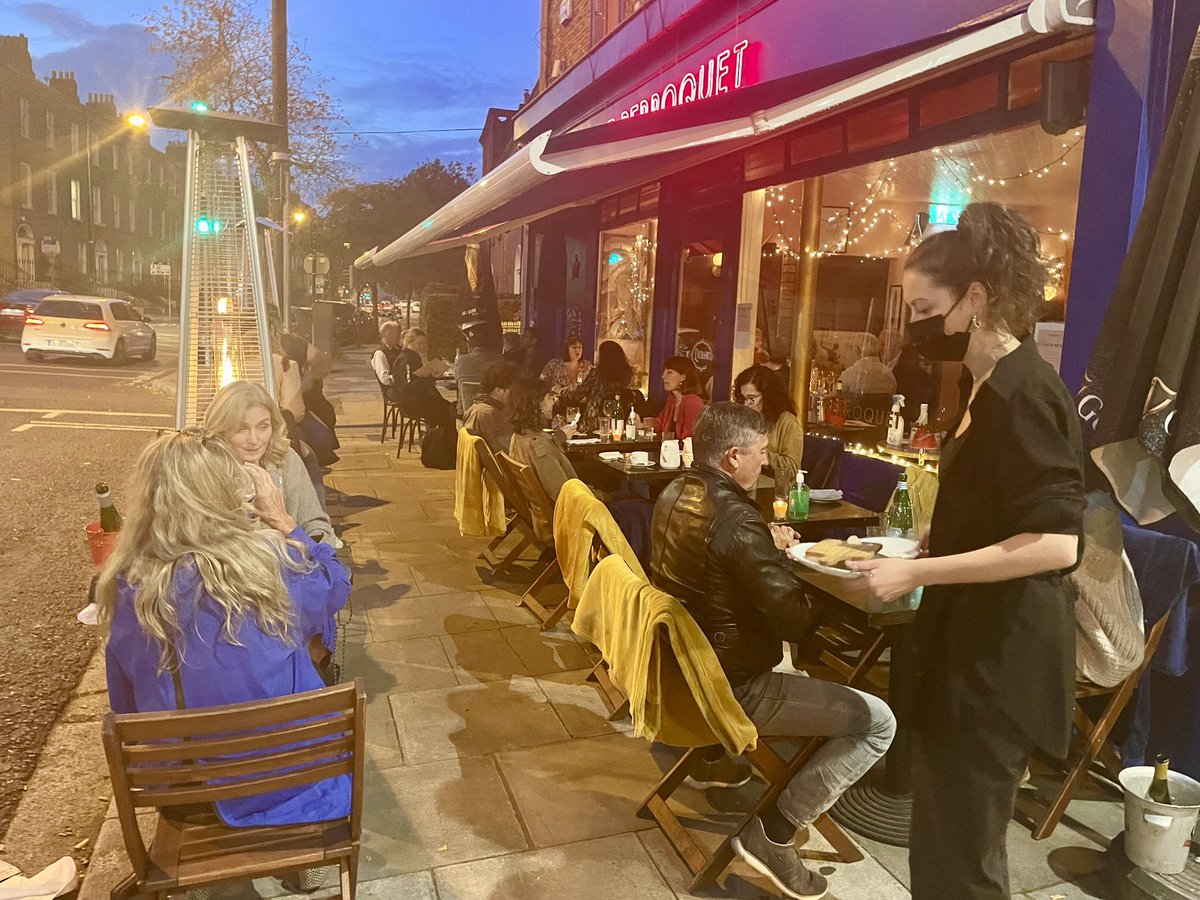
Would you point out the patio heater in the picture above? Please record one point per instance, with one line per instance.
(223, 325)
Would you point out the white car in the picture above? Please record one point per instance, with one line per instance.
(87, 326)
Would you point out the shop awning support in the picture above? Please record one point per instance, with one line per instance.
(802, 336)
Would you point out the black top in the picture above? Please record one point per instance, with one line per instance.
(1008, 646)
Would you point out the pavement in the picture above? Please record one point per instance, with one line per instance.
(492, 770)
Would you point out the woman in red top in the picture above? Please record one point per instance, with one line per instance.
(683, 406)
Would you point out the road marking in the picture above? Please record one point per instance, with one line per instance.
(89, 426)
(94, 377)
(87, 412)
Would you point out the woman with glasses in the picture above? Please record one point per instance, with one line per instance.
(760, 389)
(210, 598)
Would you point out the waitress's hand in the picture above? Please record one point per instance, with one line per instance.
(923, 540)
(268, 500)
(885, 579)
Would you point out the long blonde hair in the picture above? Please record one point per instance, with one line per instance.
(187, 508)
(228, 409)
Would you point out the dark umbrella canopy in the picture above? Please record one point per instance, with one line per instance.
(1140, 399)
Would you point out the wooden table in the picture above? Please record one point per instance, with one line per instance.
(652, 475)
(878, 809)
(608, 444)
(823, 516)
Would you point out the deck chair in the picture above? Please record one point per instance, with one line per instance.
(516, 524)
(679, 696)
(1094, 746)
(184, 758)
(528, 494)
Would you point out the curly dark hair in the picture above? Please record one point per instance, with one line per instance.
(998, 248)
(525, 404)
(686, 368)
(775, 398)
(613, 365)
(500, 374)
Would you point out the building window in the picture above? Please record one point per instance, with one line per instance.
(162, 225)
(101, 262)
(74, 139)
(26, 270)
(97, 207)
(160, 174)
(76, 200)
(52, 194)
(116, 157)
(27, 183)
(81, 256)
(135, 264)
(116, 212)
(24, 118)
(132, 210)
(149, 171)
(150, 221)
(627, 291)
(50, 129)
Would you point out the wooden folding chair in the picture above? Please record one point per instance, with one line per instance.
(839, 643)
(529, 495)
(516, 523)
(1094, 746)
(196, 757)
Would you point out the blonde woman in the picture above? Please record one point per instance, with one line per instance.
(415, 376)
(210, 598)
(246, 416)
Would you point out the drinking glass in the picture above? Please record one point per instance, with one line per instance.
(572, 415)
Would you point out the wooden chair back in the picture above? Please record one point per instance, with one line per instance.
(201, 756)
(531, 493)
(487, 462)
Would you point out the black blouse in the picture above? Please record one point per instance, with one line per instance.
(1007, 646)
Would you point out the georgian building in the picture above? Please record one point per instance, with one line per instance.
(86, 202)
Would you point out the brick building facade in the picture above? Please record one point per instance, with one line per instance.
(66, 220)
(571, 28)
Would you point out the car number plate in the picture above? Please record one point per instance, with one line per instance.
(61, 344)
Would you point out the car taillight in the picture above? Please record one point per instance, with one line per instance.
(33, 320)
(97, 326)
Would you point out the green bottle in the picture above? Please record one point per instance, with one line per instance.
(798, 499)
(110, 519)
(900, 516)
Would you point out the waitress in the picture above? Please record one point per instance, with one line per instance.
(995, 632)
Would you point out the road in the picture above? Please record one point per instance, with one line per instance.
(64, 425)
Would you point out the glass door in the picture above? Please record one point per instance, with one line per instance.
(699, 312)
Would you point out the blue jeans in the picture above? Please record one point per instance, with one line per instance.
(859, 726)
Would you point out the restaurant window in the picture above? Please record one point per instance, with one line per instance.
(697, 316)
(626, 296)
(870, 218)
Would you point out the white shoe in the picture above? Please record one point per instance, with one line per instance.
(338, 543)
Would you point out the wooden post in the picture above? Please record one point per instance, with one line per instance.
(802, 334)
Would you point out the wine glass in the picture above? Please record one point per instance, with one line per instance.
(572, 415)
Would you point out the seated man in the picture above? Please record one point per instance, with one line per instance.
(488, 416)
(714, 552)
(470, 366)
(385, 357)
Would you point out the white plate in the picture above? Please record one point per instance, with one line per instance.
(609, 455)
(649, 464)
(890, 547)
(896, 547)
(825, 496)
(797, 551)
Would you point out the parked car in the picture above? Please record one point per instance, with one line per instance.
(98, 327)
(16, 305)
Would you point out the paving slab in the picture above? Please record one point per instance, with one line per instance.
(417, 616)
(475, 719)
(603, 869)
(545, 652)
(577, 703)
(482, 656)
(393, 667)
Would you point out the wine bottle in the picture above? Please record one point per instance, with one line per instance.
(110, 519)
(1160, 789)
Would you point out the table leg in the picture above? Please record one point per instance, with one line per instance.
(881, 808)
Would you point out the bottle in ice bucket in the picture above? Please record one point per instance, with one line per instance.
(900, 516)
(1160, 789)
(798, 499)
(110, 519)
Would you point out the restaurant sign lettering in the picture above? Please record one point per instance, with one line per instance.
(721, 73)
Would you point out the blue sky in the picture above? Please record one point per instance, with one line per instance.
(392, 64)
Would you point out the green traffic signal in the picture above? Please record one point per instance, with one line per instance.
(206, 226)
(199, 106)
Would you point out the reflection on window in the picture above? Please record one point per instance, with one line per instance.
(627, 291)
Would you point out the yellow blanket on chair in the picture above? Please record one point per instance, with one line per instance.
(579, 519)
(478, 502)
(661, 660)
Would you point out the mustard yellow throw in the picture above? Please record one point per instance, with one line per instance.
(478, 502)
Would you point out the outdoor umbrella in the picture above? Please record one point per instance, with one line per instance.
(1140, 399)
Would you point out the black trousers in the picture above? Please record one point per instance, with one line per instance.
(964, 787)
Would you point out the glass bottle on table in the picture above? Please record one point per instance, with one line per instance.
(110, 519)
(900, 514)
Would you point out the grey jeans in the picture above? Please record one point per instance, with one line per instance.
(860, 728)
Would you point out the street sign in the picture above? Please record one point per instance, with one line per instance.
(50, 247)
(316, 264)
(160, 269)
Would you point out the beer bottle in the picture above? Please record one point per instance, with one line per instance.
(1160, 790)
(110, 519)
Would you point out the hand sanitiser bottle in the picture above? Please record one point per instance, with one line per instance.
(798, 499)
(895, 432)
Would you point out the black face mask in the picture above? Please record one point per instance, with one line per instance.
(930, 338)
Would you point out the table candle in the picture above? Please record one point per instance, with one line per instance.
(780, 507)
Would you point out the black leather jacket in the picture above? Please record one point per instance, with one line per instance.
(713, 551)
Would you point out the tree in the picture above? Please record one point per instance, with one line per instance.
(367, 215)
(222, 54)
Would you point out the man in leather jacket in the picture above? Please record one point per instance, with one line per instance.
(715, 553)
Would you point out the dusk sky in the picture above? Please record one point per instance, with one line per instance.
(392, 64)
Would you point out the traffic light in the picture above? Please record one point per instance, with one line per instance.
(199, 106)
(206, 226)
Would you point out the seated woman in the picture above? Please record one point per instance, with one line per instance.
(761, 390)
(567, 373)
(415, 374)
(530, 405)
(612, 378)
(683, 406)
(210, 598)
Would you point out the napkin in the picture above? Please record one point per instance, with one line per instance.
(586, 440)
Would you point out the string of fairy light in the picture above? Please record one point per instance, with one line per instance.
(864, 216)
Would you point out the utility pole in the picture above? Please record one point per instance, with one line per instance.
(282, 156)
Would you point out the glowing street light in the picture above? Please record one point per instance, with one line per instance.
(199, 106)
(299, 216)
(136, 120)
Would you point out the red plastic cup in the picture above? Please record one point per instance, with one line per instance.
(100, 543)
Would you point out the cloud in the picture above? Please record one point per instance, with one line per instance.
(384, 156)
(60, 22)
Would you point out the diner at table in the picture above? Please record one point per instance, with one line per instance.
(415, 376)
(760, 389)
(746, 598)
(681, 381)
(608, 387)
(487, 416)
(569, 370)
